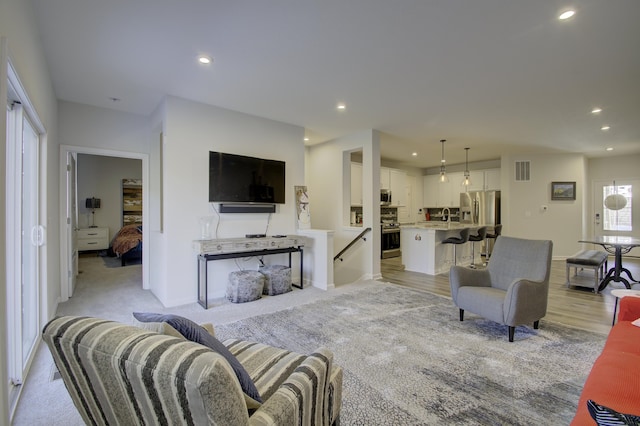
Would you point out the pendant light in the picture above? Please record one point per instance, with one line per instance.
(467, 179)
(443, 172)
(615, 201)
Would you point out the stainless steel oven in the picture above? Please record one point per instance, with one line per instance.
(390, 240)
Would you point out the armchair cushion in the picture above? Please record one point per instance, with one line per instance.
(487, 302)
(196, 333)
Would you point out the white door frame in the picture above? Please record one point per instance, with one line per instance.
(66, 246)
(18, 368)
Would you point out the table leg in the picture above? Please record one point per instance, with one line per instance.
(203, 297)
(605, 281)
(614, 273)
(615, 309)
(301, 264)
(626, 271)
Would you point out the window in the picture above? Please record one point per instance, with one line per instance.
(617, 220)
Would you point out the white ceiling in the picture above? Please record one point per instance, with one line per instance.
(497, 76)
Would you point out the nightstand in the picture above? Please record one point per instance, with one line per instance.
(93, 239)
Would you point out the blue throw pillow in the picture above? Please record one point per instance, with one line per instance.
(195, 333)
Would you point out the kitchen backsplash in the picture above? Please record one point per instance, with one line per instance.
(439, 214)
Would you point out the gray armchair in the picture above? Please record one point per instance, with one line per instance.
(512, 290)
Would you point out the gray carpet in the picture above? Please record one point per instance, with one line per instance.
(408, 360)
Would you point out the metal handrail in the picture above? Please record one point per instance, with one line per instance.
(361, 235)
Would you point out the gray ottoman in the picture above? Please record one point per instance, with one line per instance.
(277, 279)
(245, 286)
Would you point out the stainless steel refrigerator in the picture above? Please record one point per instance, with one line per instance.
(480, 208)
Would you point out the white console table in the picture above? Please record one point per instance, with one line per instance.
(232, 248)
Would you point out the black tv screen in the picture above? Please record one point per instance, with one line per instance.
(240, 179)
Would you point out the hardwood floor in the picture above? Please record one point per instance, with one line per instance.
(575, 306)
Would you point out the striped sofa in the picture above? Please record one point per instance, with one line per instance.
(119, 374)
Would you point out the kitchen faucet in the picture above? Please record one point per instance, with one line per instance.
(448, 213)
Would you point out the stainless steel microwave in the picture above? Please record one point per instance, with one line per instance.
(385, 197)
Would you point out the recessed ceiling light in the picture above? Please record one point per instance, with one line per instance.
(341, 106)
(566, 14)
(609, 149)
(605, 128)
(415, 154)
(596, 110)
(306, 139)
(204, 59)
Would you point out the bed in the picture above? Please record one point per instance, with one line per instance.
(127, 243)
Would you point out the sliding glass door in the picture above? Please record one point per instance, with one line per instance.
(32, 239)
(25, 235)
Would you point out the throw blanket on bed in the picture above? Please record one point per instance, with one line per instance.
(126, 239)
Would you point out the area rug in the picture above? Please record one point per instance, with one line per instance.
(408, 360)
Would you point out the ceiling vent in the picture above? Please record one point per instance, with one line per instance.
(523, 171)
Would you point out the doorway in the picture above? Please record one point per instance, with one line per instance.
(68, 254)
(623, 221)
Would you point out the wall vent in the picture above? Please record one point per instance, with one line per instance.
(523, 171)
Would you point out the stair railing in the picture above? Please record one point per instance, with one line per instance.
(355, 240)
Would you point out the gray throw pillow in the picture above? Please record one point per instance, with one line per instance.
(195, 333)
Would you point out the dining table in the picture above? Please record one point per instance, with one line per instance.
(616, 245)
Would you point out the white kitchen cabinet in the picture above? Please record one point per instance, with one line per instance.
(385, 178)
(406, 213)
(492, 179)
(457, 188)
(430, 191)
(93, 239)
(356, 184)
(477, 181)
(483, 180)
(447, 194)
(398, 187)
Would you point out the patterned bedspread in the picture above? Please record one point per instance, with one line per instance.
(126, 239)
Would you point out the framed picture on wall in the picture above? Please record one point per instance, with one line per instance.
(563, 190)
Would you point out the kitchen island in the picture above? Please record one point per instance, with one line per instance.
(423, 250)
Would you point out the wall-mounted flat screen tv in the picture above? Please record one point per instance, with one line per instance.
(241, 179)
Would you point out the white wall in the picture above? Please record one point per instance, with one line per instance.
(191, 131)
(327, 179)
(101, 177)
(523, 215)
(154, 230)
(103, 128)
(20, 42)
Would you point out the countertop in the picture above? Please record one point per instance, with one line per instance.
(442, 226)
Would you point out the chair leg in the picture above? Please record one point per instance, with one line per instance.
(473, 255)
(455, 257)
(488, 249)
(536, 325)
(461, 314)
(512, 331)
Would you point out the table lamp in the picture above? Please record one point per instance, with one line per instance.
(93, 204)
